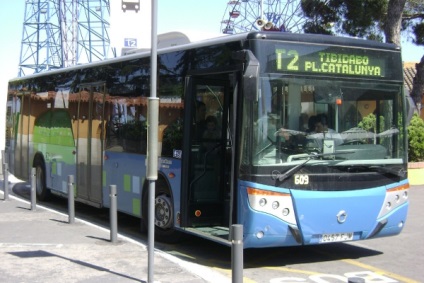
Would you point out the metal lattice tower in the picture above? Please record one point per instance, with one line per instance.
(250, 15)
(62, 33)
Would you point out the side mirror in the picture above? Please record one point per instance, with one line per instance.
(251, 73)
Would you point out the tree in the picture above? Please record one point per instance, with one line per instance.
(412, 20)
(359, 18)
(369, 19)
(416, 139)
(418, 82)
(392, 25)
(373, 20)
(369, 123)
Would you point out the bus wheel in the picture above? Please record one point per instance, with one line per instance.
(42, 192)
(163, 214)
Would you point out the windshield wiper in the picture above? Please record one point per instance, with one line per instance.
(289, 173)
(385, 170)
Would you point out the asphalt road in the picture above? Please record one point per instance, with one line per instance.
(393, 259)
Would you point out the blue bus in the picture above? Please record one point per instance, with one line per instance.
(299, 138)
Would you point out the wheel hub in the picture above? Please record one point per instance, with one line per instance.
(163, 212)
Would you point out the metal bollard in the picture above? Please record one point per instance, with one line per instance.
(355, 280)
(151, 231)
(113, 214)
(33, 190)
(6, 182)
(2, 160)
(237, 253)
(71, 202)
(4, 175)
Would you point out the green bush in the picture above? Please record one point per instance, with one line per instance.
(416, 139)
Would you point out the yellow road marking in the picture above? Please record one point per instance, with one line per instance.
(380, 271)
(372, 268)
(287, 269)
(228, 273)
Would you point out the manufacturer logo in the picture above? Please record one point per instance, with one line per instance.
(341, 216)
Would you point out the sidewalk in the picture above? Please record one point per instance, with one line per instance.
(40, 246)
(416, 173)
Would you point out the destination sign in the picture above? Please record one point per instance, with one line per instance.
(311, 59)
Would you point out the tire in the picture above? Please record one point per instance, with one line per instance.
(42, 192)
(164, 214)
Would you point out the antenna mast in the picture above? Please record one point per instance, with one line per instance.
(63, 33)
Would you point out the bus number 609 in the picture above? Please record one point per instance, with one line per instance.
(301, 179)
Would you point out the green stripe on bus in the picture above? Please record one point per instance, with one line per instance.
(127, 183)
(136, 207)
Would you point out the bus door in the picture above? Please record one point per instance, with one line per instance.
(90, 136)
(206, 187)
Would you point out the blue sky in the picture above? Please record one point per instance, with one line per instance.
(203, 17)
(194, 15)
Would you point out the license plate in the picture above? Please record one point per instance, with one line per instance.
(336, 237)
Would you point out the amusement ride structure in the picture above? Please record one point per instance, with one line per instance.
(249, 15)
(62, 33)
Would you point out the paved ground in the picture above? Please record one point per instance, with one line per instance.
(40, 246)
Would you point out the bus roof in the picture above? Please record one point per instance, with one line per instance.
(281, 36)
(322, 39)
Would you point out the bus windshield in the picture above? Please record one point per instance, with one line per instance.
(327, 122)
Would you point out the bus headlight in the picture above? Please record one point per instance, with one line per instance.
(280, 204)
(260, 234)
(395, 197)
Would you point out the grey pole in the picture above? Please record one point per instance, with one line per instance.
(33, 190)
(152, 156)
(6, 181)
(2, 169)
(237, 253)
(2, 166)
(2, 160)
(151, 233)
(71, 202)
(113, 214)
